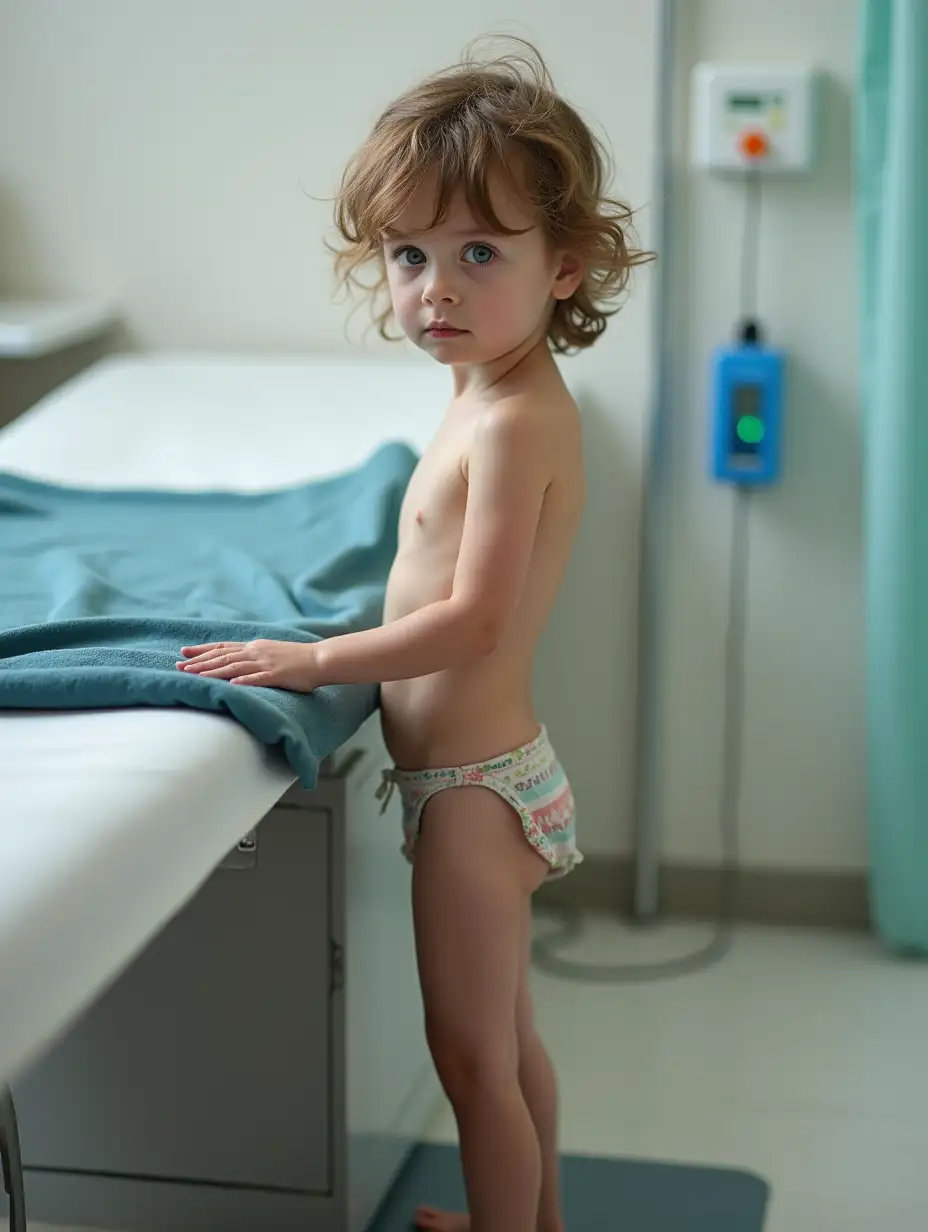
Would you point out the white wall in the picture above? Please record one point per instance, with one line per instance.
(168, 152)
(803, 789)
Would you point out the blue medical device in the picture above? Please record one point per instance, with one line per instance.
(747, 414)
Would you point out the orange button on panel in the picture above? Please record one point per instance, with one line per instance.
(754, 144)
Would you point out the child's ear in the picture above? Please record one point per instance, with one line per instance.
(568, 277)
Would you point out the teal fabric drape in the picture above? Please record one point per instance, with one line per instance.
(893, 193)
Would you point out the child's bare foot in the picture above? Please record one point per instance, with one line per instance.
(432, 1220)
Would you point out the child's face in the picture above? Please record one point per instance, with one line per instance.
(491, 292)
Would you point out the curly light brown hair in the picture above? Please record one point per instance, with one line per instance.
(500, 114)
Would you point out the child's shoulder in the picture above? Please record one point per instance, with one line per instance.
(539, 405)
(541, 415)
(529, 429)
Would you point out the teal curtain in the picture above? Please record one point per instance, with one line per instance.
(893, 194)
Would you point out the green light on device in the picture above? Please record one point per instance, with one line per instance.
(750, 430)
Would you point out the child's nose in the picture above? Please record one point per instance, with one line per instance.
(440, 287)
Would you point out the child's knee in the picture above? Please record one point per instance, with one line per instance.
(467, 1064)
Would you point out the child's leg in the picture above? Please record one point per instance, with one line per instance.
(473, 878)
(539, 1089)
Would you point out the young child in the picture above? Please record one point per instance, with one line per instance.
(479, 199)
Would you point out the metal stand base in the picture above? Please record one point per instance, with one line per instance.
(12, 1162)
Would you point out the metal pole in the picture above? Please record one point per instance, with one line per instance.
(654, 494)
(11, 1161)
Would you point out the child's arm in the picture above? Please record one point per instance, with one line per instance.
(507, 480)
(506, 488)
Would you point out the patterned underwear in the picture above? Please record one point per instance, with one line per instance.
(530, 779)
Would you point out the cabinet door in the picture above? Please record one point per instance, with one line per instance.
(208, 1060)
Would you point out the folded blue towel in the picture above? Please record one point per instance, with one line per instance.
(100, 590)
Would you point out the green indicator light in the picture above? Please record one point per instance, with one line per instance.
(750, 430)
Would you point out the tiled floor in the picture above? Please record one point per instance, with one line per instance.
(803, 1056)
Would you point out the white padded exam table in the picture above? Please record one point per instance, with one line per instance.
(103, 845)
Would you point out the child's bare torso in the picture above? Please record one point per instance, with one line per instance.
(471, 713)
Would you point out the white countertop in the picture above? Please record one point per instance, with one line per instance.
(30, 328)
(111, 820)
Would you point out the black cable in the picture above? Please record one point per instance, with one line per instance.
(750, 248)
(544, 949)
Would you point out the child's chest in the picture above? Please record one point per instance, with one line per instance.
(436, 497)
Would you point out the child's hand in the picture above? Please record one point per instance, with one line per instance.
(275, 665)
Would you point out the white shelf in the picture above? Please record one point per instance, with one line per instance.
(30, 328)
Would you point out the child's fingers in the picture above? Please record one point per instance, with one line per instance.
(265, 678)
(189, 651)
(199, 664)
(226, 672)
(214, 657)
(212, 664)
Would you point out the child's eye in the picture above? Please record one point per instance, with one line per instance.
(409, 257)
(480, 254)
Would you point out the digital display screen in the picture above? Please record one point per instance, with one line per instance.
(753, 102)
(747, 424)
(747, 401)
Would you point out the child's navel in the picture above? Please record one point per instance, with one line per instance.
(420, 517)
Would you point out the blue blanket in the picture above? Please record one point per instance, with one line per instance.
(100, 590)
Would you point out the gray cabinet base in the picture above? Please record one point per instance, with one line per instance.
(70, 1200)
(263, 1063)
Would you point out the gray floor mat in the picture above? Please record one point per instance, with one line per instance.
(600, 1195)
